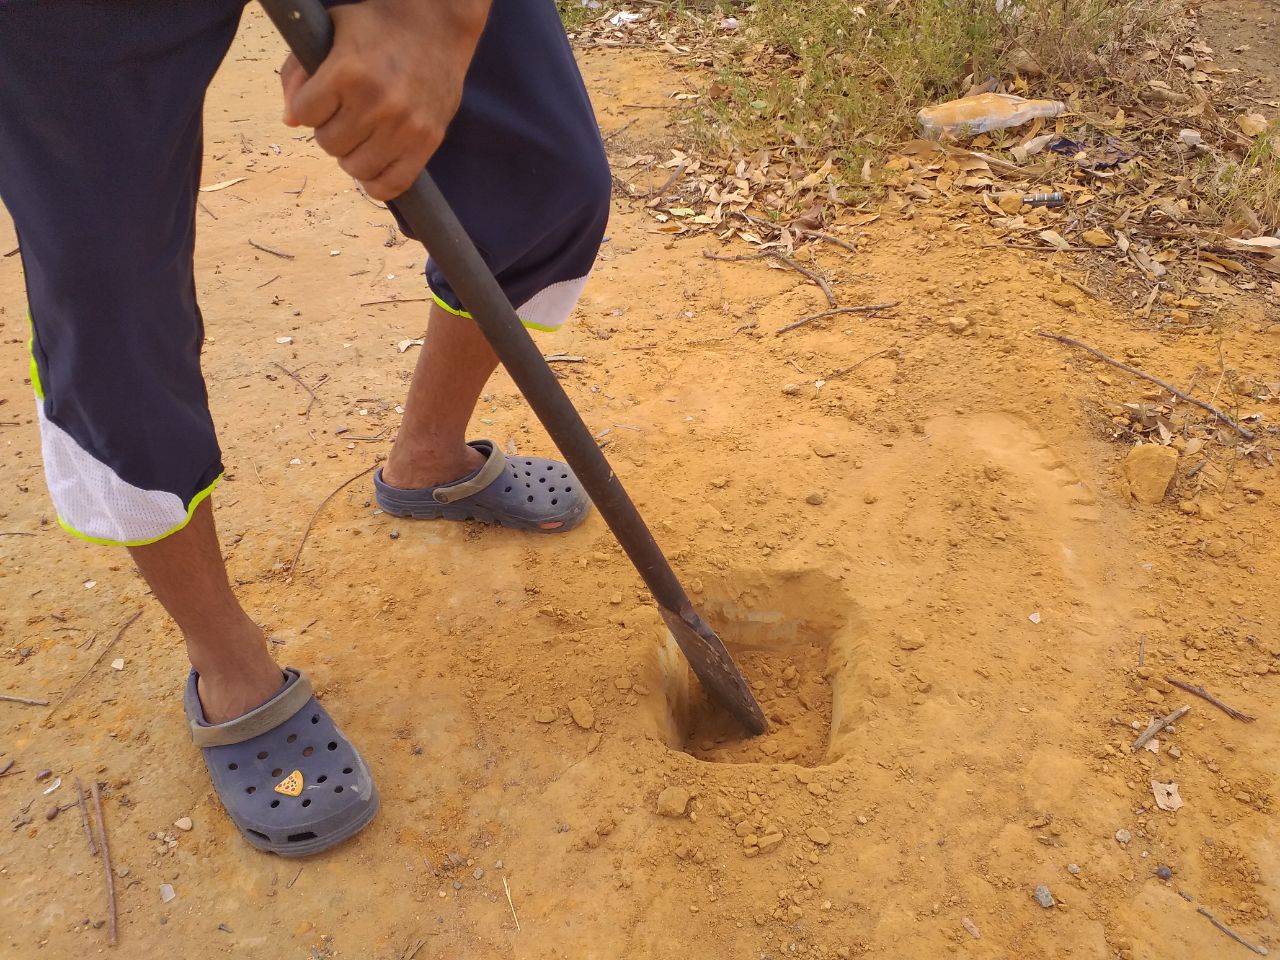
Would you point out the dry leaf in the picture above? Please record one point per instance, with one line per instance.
(1166, 795)
(404, 345)
(215, 187)
(1054, 239)
(1252, 124)
(1097, 237)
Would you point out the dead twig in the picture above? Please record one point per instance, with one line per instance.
(84, 819)
(814, 278)
(869, 308)
(676, 174)
(106, 864)
(275, 253)
(607, 137)
(298, 192)
(511, 904)
(289, 885)
(378, 303)
(1260, 951)
(293, 565)
(1204, 694)
(85, 676)
(1244, 432)
(29, 702)
(298, 380)
(268, 282)
(1156, 726)
(819, 235)
(888, 351)
(12, 253)
(413, 951)
(15, 533)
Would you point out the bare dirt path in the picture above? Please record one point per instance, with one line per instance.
(929, 566)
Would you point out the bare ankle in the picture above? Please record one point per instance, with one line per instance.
(430, 467)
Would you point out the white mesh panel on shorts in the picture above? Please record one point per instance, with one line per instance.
(93, 501)
(550, 307)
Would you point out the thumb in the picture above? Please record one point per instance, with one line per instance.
(292, 77)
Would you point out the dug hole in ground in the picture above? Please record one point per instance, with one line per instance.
(930, 567)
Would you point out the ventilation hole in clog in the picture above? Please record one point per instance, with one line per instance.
(551, 489)
(508, 490)
(564, 476)
(568, 489)
(250, 789)
(259, 834)
(297, 837)
(333, 745)
(262, 754)
(551, 466)
(233, 766)
(542, 479)
(554, 501)
(276, 772)
(274, 804)
(308, 751)
(306, 802)
(322, 778)
(338, 788)
(315, 718)
(292, 737)
(346, 769)
(530, 499)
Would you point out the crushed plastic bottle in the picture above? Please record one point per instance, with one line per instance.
(983, 112)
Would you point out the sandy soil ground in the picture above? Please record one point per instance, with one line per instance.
(930, 567)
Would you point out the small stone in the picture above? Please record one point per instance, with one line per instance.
(117, 663)
(394, 534)
(1149, 468)
(957, 324)
(862, 820)
(478, 873)
(1123, 836)
(1164, 873)
(166, 892)
(815, 499)
(673, 801)
(913, 641)
(818, 836)
(43, 775)
(1215, 549)
(1175, 751)
(769, 841)
(1073, 868)
(582, 714)
(622, 683)
(546, 715)
(184, 824)
(817, 789)
(1063, 299)
(791, 389)
(1045, 898)
(822, 451)
(122, 872)
(869, 497)
(616, 599)
(593, 742)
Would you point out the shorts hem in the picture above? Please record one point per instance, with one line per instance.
(103, 542)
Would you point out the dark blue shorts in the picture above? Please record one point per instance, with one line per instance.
(100, 152)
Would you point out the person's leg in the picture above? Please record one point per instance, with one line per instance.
(455, 364)
(99, 173)
(228, 650)
(524, 169)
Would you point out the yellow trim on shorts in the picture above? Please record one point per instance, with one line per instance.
(36, 385)
(529, 324)
(191, 509)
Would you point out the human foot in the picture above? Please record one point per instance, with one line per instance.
(524, 493)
